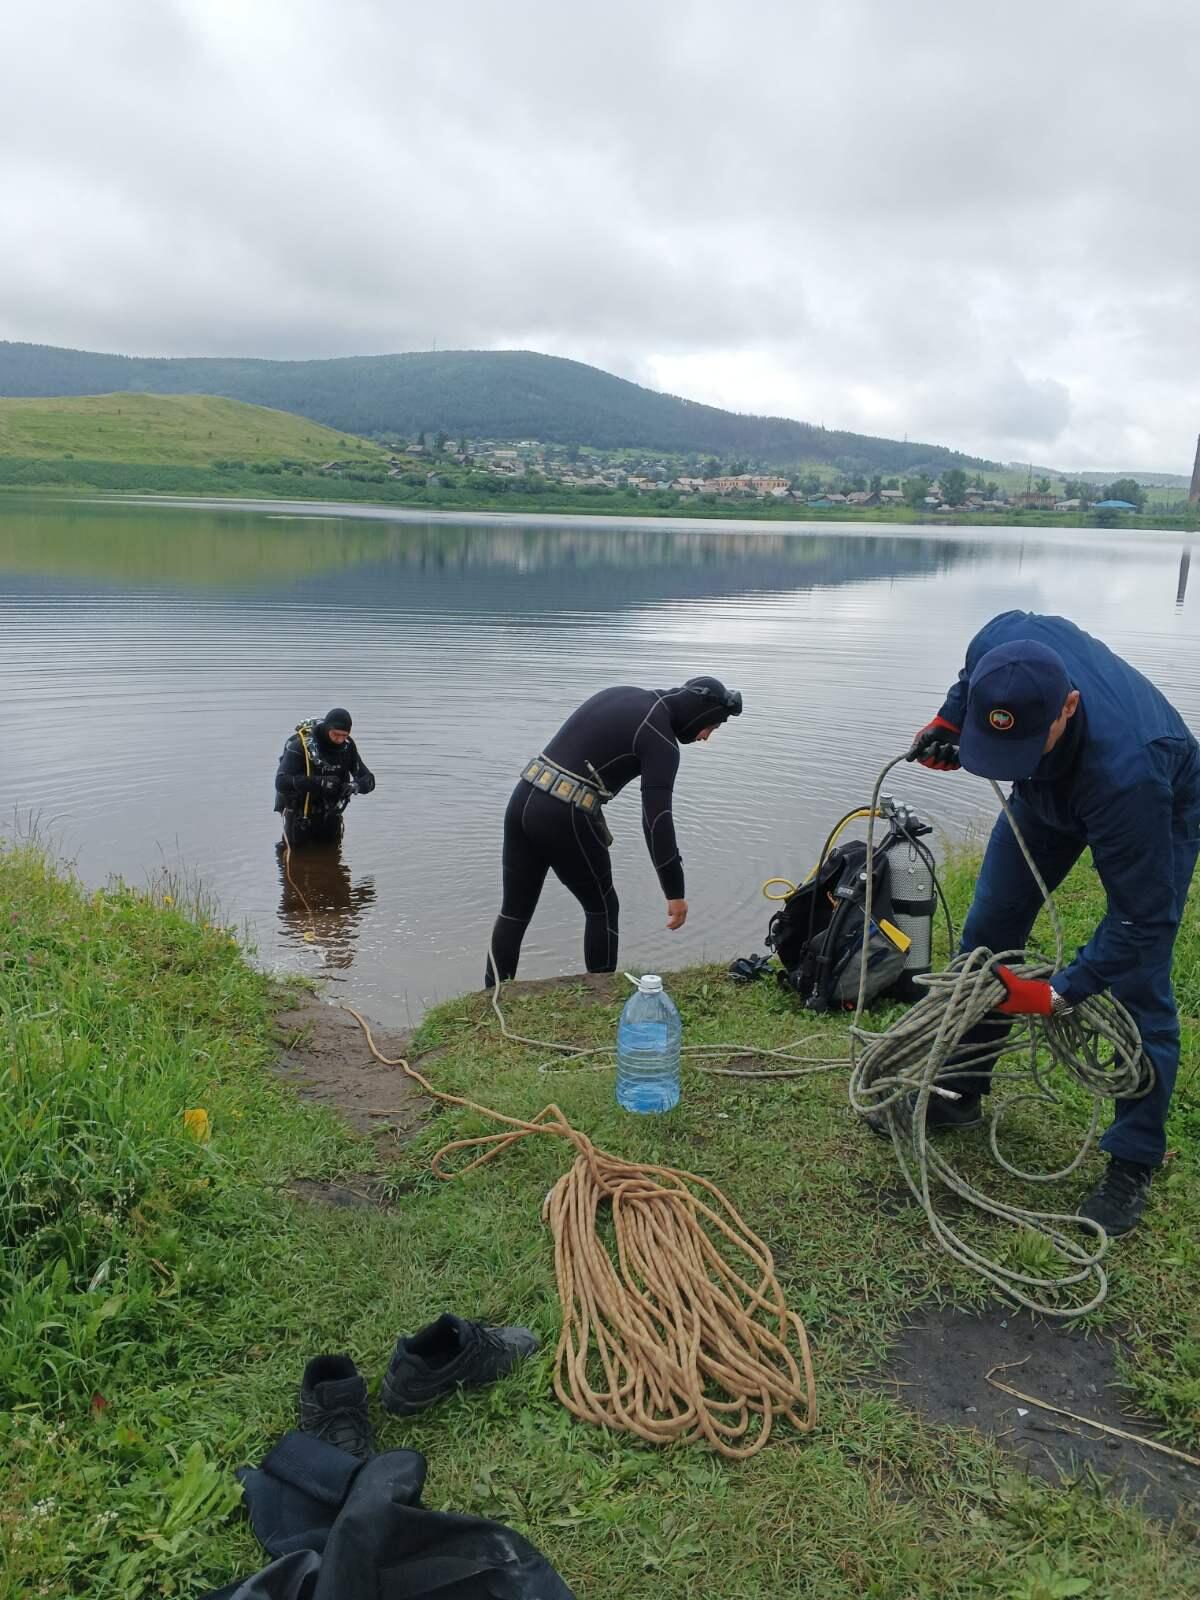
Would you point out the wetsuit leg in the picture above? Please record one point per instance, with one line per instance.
(524, 866)
(1138, 1132)
(1005, 907)
(323, 827)
(583, 864)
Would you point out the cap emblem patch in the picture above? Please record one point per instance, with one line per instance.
(1001, 720)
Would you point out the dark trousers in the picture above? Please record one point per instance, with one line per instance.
(1002, 914)
(319, 827)
(543, 835)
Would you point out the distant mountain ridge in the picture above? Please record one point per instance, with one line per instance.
(493, 394)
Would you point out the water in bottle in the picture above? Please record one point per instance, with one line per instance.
(648, 1049)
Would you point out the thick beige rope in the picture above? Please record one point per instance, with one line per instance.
(686, 1334)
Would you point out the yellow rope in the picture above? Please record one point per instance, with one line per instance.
(686, 1335)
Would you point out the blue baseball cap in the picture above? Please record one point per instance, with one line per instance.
(1016, 692)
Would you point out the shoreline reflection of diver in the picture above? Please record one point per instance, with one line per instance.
(319, 904)
(555, 820)
(319, 770)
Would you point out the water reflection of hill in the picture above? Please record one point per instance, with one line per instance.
(437, 566)
(521, 571)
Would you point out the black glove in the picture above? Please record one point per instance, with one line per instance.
(936, 746)
(365, 782)
(332, 788)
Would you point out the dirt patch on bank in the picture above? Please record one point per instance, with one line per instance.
(325, 1057)
(589, 987)
(940, 1365)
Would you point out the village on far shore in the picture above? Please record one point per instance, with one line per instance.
(427, 460)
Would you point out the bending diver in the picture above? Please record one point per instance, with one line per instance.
(318, 771)
(555, 820)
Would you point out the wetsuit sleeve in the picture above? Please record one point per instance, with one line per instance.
(659, 758)
(289, 775)
(360, 772)
(1133, 852)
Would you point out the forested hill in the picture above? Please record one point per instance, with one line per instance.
(493, 394)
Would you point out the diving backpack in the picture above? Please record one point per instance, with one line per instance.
(817, 932)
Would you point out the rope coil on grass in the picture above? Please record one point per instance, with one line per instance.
(688, 1325)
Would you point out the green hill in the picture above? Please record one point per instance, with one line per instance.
(175, 430)
(494, 394)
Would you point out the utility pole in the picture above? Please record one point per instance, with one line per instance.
(1194, 491)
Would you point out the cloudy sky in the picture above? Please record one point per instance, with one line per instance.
(970, 223)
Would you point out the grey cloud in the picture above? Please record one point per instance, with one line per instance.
(962, 224)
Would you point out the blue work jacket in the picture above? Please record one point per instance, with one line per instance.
(1124, 779)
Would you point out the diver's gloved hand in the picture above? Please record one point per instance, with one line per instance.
(1027, 997)
(365, 782)
(936, 746)
(332, 788)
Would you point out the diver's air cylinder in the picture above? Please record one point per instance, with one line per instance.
(910, 875)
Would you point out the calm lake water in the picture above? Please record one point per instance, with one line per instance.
(155, 656)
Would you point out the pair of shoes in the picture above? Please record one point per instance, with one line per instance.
(1118, 1200)
(941, 1116)
(746, 968)
(448, 1354)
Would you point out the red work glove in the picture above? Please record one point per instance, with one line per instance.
(936, 746)
(1027, 997)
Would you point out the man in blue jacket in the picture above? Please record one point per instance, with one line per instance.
(1099, 758)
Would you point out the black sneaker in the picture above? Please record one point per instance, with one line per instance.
(941, 1116)
(448, 1354)
(333, 1405)
(1118, 1200)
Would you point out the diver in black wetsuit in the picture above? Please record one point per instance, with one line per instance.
(318, 771)
(555, 820)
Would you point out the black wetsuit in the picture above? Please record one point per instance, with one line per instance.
(622, 734)
(337, 769)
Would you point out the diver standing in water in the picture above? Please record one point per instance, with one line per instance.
(555, 820)
(319, 770)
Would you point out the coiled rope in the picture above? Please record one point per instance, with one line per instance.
(688, 1325)
(894, 1074)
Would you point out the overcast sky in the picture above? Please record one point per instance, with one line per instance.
(971, 223)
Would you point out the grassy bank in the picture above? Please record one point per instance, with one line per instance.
(162, 433)
(161, 1294)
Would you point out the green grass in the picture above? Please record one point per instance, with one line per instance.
(161, 1296)
(187, 430)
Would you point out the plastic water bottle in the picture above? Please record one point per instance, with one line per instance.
(648, 1048)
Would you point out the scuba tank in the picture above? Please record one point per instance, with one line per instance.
(817, 932)
(910, 878)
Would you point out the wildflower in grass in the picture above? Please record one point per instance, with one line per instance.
(197, 1123)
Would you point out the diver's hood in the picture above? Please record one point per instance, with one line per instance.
(338, 718)
(698, 704)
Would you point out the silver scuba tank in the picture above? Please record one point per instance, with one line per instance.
(910, 877)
